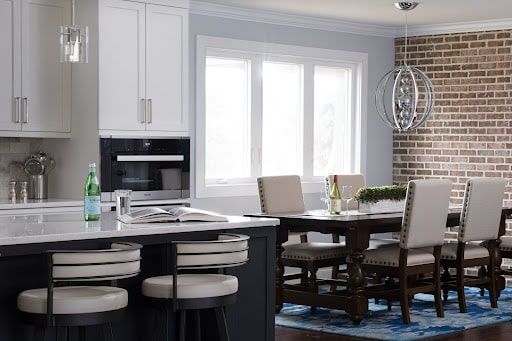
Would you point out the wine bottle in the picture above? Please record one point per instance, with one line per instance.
(335, 197)
(92, 210)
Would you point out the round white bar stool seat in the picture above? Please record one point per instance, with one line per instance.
(74, 300)
(190, 286)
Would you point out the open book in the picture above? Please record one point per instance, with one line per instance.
(158, 215)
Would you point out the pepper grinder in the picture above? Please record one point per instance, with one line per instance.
(12, 191)
(24, 191)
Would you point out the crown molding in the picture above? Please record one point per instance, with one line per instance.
(461, 27)
(335, 25)
(288, 19)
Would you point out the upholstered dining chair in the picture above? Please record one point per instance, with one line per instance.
(423, 225)
(187, 291)
(283, 194)
(479, 221)
(64, 306)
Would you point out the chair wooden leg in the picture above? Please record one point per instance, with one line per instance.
(197, 325)
(404, 297)
(460, 289)
(482, 273)
(222, 324)
(313, 285)
(183, 324)
(437, 286)
(445, 279)
(492, 279)
(39, 334)
(335, 272)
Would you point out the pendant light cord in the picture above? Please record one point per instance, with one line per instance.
(405, 51)
(73, 12)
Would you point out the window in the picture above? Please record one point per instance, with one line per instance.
(295, 110)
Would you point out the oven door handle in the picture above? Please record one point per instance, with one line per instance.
(146, 158)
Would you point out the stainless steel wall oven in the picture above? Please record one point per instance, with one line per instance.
(152, 168)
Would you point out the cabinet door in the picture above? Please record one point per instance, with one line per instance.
(166, 68)
(10, 64)
(46, 82)
(121, 65)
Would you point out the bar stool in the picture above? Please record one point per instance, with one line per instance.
(193, 292)
(61, 305)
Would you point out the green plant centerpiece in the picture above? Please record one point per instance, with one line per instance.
(377, 199)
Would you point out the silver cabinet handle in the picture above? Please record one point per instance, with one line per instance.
(149, 118)
(25, 110)
(142, 113)
(17, 110)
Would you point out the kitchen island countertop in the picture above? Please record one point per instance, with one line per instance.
(58, 227)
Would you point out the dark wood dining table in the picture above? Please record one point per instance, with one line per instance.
(357, 229)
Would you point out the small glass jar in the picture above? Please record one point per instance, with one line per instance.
(23, 191)
(123, 201)
(12, 191)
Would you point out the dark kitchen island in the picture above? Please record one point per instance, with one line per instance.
(25, 239)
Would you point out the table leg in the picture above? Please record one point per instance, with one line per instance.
(358, 306)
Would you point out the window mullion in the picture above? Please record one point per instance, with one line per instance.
(256, 114)
(308, 112)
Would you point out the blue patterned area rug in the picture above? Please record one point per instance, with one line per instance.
(380, 324)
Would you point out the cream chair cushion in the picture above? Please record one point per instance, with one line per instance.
(506, 243)
(312, 251)
(191, 286)
(390, 256)
(426, 212)
(74, 300)
(471, 251)
(481, 211)
(280, 194)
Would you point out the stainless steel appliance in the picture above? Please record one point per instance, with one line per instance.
(37, 167)
(151, 168)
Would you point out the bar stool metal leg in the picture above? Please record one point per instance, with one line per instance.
(221, 323)
(183, 324)
(197, 325)
(39, 334)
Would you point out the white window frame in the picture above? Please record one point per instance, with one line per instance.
(259, 52)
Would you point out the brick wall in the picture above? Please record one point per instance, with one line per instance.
(470, 132)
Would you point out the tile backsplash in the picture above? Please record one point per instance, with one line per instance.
(13, 153)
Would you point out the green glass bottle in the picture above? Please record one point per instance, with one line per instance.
(335, 197)
(92, 209)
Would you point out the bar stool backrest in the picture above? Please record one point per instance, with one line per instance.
(122, 260)
(355, 180)
(228, 250)
(280, 194)
(426, 212)
(481, 211)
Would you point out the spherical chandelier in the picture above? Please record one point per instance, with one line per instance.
(411, 108)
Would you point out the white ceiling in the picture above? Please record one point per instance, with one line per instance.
(383, 12)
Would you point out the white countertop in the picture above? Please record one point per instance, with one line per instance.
(43, 203)
(45, 228)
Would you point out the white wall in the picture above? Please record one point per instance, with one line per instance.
(380, 52)
(72, 155)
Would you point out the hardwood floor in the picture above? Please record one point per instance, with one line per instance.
(499, 332)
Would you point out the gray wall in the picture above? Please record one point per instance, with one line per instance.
(380, 52)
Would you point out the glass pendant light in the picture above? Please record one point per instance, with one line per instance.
(407, 112)
(74, 41)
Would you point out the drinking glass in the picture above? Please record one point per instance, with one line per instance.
(347, 194)
(123, 201)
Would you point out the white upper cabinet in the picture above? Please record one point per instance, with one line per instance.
(166, 39)
(143, 69)
(121, 66)
(10, 91)
(35, 94)
(46, 82)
